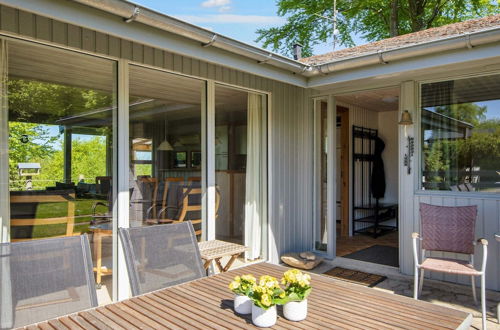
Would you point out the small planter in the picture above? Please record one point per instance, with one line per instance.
(264, 318)
(295, 310)
(242, 304)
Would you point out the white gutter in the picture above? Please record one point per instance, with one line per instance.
(134, 12)
(469, 40)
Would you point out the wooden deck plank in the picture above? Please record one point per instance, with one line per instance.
(138, 319)
(82, 322)
(69, 323)
(207, 303)
(146, 309)
(98, 321)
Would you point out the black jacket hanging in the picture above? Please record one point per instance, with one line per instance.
(378, 173)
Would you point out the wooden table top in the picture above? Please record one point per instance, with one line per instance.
(216, 249)
(207, 304)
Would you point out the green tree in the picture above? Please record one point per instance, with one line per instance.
(371, 19)
(27, 143)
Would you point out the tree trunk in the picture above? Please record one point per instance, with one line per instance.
(394, 20)
(417, 15)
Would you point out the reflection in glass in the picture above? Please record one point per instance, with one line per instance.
(460, 128)
(61, 134)
(165, 132)
(240, 158)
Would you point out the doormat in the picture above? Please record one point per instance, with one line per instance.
(355, 276)
(377, 254)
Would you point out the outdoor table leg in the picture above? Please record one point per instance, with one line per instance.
(219, 265)
(230, 262)
(98, 261)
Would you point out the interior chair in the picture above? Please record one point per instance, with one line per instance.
(103, 188)
(191, 208)
(161, 256)
(25, 222)
(165, 201)
(44, 279)
(449, 229)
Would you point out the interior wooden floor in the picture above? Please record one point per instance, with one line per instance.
(347, 245)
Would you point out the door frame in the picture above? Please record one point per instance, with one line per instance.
(331, 174)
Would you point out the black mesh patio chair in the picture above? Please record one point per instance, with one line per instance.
(161, 256)
(44, 279)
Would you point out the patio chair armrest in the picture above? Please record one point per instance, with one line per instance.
(482, 241)
(166, 208)
(415, 237)
(96, 204)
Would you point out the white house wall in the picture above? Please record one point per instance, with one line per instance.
(289, 125)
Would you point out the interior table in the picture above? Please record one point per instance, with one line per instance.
(215, 250)
(207, 303)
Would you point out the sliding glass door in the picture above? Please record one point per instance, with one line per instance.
(240, 167)
(324, 171)
(165, 138)
(59, 116)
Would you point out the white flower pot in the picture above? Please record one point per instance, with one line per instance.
(242, 304)
(295, 310)
(264, 318)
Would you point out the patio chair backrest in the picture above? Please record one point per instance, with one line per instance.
(44, 279)
(448, 228)
(161, 256)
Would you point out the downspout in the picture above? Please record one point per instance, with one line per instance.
(131, 12)
(468, 40)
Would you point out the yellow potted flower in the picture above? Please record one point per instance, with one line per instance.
(265, 295)
(242, 287)
(297, 288)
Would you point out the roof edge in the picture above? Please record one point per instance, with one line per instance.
(130, 11)
(466, 41)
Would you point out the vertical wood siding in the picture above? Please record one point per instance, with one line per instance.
(290, 119)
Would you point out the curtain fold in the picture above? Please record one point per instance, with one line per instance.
(254, 178)
(6, 310)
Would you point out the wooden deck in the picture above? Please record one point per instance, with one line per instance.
(207, 304)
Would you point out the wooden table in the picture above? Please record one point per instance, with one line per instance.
(215, 250)
(100, 231)
(207, 304)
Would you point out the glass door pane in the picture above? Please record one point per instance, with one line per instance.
(61, 134)
(240, 168)
(321, 175)
(165, 148)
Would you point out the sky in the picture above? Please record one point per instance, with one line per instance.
(238, 19)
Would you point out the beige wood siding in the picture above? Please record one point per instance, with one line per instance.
(290, 120)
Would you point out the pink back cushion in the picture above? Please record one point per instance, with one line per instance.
(448, 228)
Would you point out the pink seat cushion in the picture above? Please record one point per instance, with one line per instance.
(451, 266)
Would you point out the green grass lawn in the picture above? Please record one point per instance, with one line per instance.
(83, 212)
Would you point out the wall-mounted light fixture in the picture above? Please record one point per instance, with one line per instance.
(406, 118)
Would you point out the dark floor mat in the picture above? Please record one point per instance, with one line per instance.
(355, 276)
(378, 254)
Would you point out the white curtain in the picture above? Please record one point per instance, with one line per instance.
(255, 178)
(6, 309)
